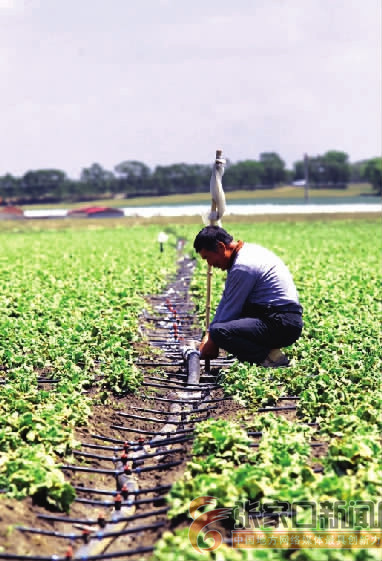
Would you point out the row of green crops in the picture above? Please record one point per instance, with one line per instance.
(274, 474)
(69, 307)
(335, 368)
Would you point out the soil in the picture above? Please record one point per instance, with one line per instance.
(25, 513)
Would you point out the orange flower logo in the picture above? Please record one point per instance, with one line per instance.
(200, 521)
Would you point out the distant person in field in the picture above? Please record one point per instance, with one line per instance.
(259, 311)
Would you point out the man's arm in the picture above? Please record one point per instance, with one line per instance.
(239, 285)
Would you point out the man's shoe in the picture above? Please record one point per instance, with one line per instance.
(275, 359)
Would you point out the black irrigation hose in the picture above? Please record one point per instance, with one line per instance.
(184, 389)
(166, 421)
(141, 491)
(115, 440)
(168, 400)
(269, 409)
(104, 447)
(15, 557)
(168, 413)
(128, 429)
(91, 522)
(165, 344)
(150, 443)
(117, 554)
(183, 383)
(99, 534)
(132, 429)
(116, 472)
(128, 502)
(170, 375)
(183, 386)
(154, 364)
(174, 440)
(128, 458)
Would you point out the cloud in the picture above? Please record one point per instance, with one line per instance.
(98, 81)
(9, 7)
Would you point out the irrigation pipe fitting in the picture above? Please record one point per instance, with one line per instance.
(192, 361)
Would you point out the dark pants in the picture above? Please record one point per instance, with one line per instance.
(251, 338)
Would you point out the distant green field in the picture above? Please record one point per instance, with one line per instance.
(167, 223)
(286, 193)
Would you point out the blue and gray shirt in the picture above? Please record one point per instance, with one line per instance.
(257, 276)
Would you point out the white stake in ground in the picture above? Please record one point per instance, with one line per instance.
(215, 216)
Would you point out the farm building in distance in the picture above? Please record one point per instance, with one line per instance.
(9, 212)
(95, 212)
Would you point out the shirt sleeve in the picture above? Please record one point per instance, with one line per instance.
(239, 285)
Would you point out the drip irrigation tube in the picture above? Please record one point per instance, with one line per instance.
(91, 522)
(127, 458)
(184, 388)
(154, 364)
(132, 429)
(286, 408)
(150, 443)
(128, 429)
(117, 472)
(99, 534)
(183, 413)
(121, 503)
(152, 420)
(192, 358)
(102, 556)
(141, 491)
(183, 401)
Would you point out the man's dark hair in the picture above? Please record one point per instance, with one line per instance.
(209, 237)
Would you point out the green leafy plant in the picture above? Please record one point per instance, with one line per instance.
(70, 303)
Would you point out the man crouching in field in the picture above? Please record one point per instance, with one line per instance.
(259, 311)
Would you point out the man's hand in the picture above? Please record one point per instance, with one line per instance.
(207, 348)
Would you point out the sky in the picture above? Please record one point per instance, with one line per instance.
(170, 81)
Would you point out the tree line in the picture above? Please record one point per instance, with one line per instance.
(133, 178)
